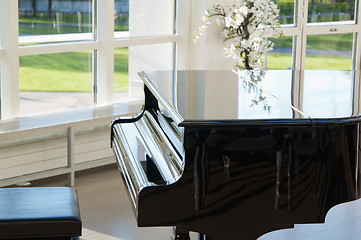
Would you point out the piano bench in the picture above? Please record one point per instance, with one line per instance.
(39, 213)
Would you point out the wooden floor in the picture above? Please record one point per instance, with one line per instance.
(94, 235)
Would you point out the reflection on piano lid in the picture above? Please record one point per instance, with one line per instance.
(221, 95)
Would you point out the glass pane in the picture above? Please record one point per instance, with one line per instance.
(281, 55)
(44, 17)
(327, 93)
(149, 18)
(331, 51)
(286, 8)
(331, 10)
(148, 58)
(120, 74)
(121, 15)
(55, 82)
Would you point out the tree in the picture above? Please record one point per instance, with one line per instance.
(50, 5)
(33, 5)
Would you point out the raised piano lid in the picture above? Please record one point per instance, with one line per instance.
(216, 96)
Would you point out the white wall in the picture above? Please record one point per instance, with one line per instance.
(208, 52)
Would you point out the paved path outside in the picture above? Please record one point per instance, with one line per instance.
(34, 103)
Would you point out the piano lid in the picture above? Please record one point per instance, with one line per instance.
(215, 95)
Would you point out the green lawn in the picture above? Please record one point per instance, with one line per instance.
(121, 69)
(284, 61)
(68, 72)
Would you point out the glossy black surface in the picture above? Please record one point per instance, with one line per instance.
(246, 174)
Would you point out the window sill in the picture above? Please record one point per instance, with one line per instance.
(53, 123)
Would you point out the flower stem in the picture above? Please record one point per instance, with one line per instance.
(246, 36)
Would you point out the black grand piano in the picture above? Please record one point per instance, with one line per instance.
(234, 156)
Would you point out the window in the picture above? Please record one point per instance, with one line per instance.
(49, 17)
(325, 30)
(286, 8)
(323, 35)
(76, 53)
(331, 11)
(121, 15)
(55, 82)
(281, 56)
(329, 51)
(121, 76)
(119, 36)
(335, 87)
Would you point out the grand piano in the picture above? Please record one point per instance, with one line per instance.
(235, 156)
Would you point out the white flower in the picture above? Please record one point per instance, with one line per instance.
(228, 21)
(245, 26)
(243, 10)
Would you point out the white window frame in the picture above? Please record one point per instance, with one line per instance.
(102, 42)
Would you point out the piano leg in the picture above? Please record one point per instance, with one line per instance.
(180, 234)
(203, 237)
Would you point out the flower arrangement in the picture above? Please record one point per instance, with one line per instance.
(245, 25)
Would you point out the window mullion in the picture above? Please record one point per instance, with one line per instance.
(10, 61)
(299, 52)
(95, 51)
(57, 48)
(183, 28)
(105, 53)
(357, 60)
(357, 45)
(327, 29)
(303, 37)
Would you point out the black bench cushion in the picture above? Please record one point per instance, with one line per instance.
(39, 212)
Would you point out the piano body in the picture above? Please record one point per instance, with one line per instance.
(213, 154)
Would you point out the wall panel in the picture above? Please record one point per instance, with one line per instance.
(28, 157)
